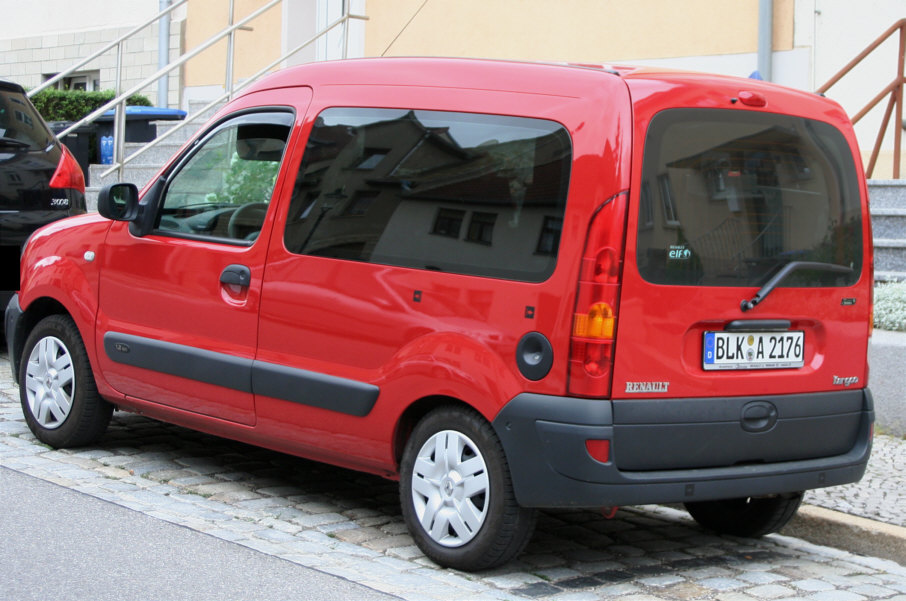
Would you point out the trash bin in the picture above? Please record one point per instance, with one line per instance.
(79, 142)
(140, 120)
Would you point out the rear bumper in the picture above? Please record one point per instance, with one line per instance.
(679, 450)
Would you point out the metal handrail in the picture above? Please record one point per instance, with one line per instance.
(232, 90)
(106, 48)
(894, 90)
(119, 101)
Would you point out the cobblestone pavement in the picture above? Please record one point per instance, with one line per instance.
(349, 524)
(880, 495)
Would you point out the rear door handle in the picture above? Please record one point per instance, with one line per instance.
(236, 275)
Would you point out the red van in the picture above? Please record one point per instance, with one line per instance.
(509, 286)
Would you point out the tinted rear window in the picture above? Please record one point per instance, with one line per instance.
(463, 193)
(729, 197)
(21, 123)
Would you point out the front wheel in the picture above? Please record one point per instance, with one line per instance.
(456, 493)
(59, 397)
(746, 516)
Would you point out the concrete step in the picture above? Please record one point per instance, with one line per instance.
(887, 193)
(890, 259)
(889, 223)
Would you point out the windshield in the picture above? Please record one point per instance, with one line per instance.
(728, 198)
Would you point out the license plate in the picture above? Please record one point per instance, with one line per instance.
(753, 350)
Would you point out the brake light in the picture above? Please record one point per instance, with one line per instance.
(597, 298)
(69, 173)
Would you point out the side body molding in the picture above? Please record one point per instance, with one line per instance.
(245, 375)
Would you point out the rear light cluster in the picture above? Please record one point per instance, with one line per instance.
(597, 302)
(69, 173)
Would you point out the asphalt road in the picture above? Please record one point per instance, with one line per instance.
(60, 544)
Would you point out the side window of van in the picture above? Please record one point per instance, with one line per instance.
(456, 192)
(222, 190)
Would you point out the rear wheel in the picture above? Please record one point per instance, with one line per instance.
(59, 397)
(746, 516)
(456, 493)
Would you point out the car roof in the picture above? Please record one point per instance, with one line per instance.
(8, 86)
(544, 78)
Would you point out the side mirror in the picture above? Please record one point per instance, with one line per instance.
(118, 202)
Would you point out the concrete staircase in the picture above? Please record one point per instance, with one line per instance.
(140, 171)
(888, 222)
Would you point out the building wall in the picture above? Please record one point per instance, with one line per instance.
(55, 34)
(572, 30)
(252, 49)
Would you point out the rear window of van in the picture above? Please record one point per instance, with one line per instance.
(729, 197)
(455, 192)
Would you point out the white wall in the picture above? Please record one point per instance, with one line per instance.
(49, 16)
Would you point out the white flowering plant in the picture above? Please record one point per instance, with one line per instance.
(890, 306)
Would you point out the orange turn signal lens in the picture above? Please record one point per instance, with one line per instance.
(597, 324)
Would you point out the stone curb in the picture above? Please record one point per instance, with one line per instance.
(848, 532)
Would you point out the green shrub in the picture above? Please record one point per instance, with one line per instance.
(890, 306)
(72, 105)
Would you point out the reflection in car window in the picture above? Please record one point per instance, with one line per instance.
(224, 188)
(730, 197)
(463, 193)
(19, 122)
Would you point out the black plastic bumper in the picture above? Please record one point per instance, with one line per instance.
(680, 450)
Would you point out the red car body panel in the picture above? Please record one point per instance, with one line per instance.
(421, 336)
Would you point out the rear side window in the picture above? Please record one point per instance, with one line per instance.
(729, 197)
(20, 123)
(463, 193)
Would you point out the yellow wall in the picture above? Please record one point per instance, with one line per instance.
(571, 30)
(253, 49)
(556, 30)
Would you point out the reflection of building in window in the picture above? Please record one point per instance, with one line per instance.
(438, 183)
(549, 240)
(670, 216)
(371, 157)
(448, 222)
(360, 202)
(646, 216)
(481, 228)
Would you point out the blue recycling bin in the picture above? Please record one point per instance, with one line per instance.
(140, 126)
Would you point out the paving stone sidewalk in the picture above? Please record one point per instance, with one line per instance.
(349, 524)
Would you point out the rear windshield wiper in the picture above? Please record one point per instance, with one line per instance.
(781, 275)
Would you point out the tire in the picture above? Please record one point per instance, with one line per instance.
(749, 517)
(57, 389)
(460, 507)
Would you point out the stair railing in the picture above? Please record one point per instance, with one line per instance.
(232, 90)
(894, 90)
(119, 101)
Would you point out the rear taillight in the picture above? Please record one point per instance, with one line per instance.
(597, 302)
(69, 173)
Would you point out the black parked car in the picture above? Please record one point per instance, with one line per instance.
(40, 181)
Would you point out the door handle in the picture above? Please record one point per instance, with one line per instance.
(236, 275)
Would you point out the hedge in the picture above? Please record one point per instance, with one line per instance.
(72, 105)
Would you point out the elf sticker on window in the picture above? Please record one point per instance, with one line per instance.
(679, 252)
